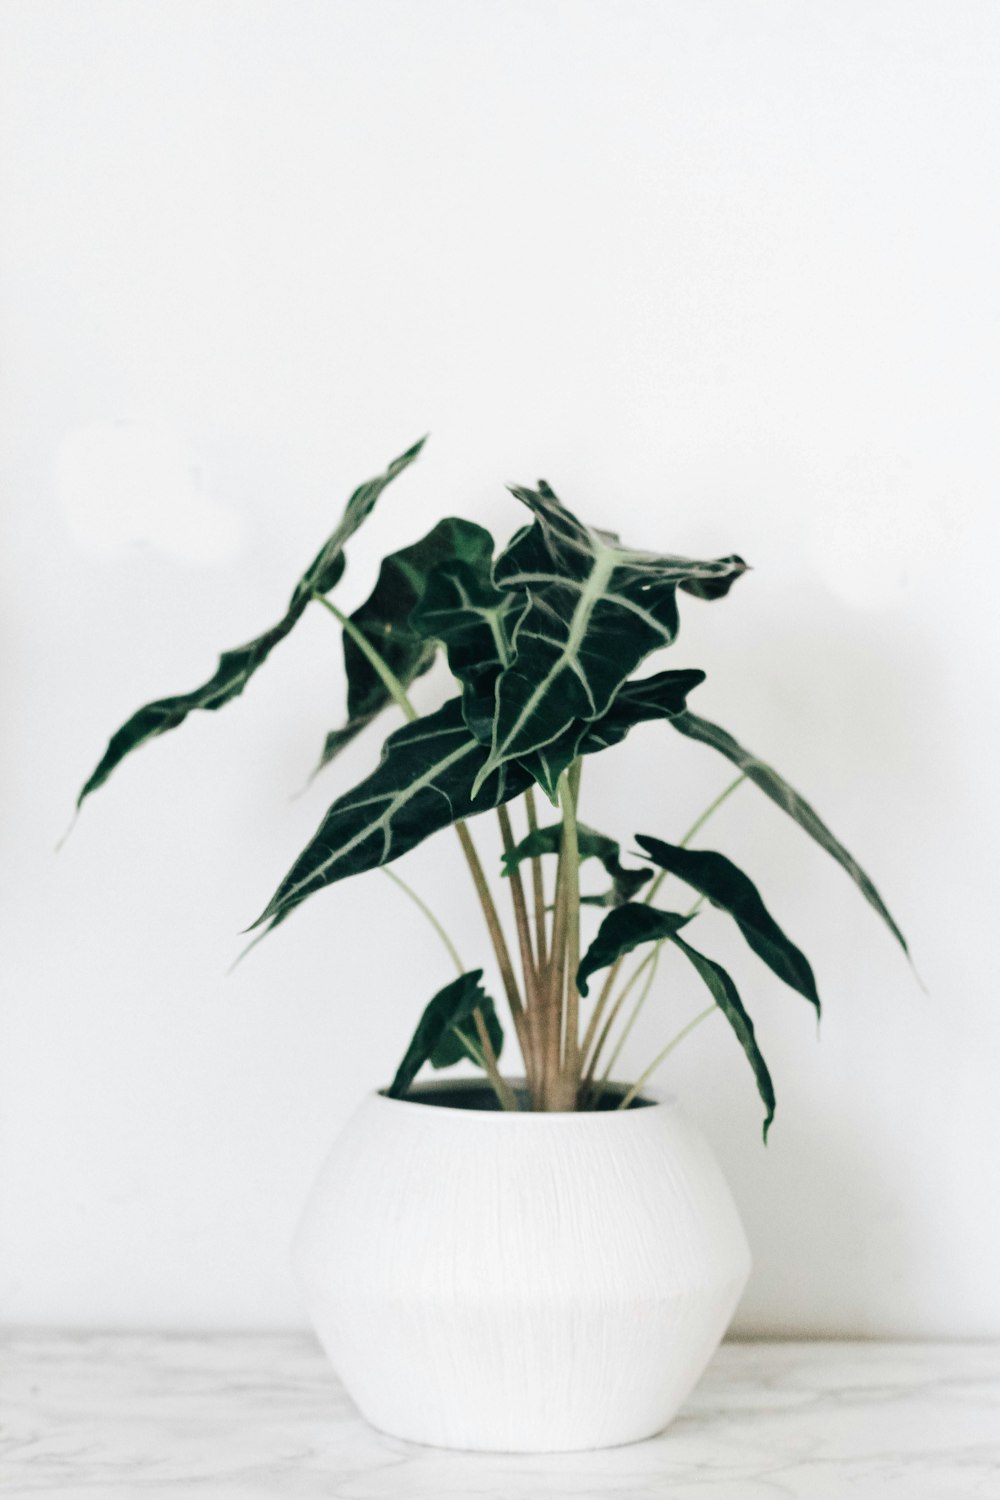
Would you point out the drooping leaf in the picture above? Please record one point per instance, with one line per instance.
(423, 782)
(625, 928)
(625, 882)
(449, 1007)
(385, 621)
(450, 1048)
(726, 997)
(237, 667)
(660, 696)
(717, 878)
(595, 610)
(629, 927)
(775, 787)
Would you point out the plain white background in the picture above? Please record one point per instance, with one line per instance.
(725, 273)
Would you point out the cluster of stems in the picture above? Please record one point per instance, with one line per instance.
(562, 1060)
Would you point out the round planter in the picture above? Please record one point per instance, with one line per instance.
(519, 1282)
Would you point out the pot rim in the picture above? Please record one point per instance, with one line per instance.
(655, 1099)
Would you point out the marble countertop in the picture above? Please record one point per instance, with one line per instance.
(241, 1416)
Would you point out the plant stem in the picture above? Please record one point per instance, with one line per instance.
(538, 886)
(387, 676)
(503, 1092)
(528, 964)
(696, 827)
(494, 928)
(652, 958)
(398, 693)
(615, 970)
(623, 994)
(675, 1042)
(569, 796)
(435, 923)
(501, 1087)
(654, 962)
(470, 1047)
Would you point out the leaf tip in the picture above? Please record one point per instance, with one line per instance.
(72, 825)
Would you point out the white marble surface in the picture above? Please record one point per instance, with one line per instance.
(235, 1417)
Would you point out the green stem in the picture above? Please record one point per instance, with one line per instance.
(650, 961)
(569, 795)
(388, 678)
(505, 1094)
(470, 1047)
(398, 693)
(538, 886)
(662, 1056)
(652, 958)
(418, 901)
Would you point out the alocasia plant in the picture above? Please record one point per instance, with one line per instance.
(543, 640)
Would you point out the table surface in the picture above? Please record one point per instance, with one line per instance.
(240, 1416)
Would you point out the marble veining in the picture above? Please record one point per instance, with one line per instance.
(242, 1416)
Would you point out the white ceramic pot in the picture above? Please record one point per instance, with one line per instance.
(519, 1282)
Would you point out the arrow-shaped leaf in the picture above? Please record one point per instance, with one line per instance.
(237, 667)
(385, 621)
(423, 782)
(717, 878)
(775, 787)
(451, 1049)
(461, 608)
(595, 610)
(449, 1007)
(625, 928)
(628, 927)
(625, 883)
(659, 696)
(726, 997)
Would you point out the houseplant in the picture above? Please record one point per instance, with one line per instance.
(546, 1259)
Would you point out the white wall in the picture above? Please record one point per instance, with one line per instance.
(726, 274)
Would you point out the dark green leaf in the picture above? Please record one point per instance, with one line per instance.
(461, 608)
(385, 621)
(595, 610)
(726, 886)
(450, 1048)
(626, 883)
(775, 787)
(423, 782)
(237, 667)
(449, 1007)
(625, 928)
(726, 997)
(629, 927)
(659, 696)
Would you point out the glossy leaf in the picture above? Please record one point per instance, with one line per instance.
(449, 1007)
(595, 610)
(237, 667)
(384, 619)
(422, 783)
(629, 927)
(726, 997)
(450, 1048)
(775, 787)
(625, 882)
(625, 928)
(725, 886)
(659, 696)
(463, 610)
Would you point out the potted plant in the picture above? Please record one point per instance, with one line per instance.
(544, 1259)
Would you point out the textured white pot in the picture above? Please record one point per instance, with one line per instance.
(522, 1283)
